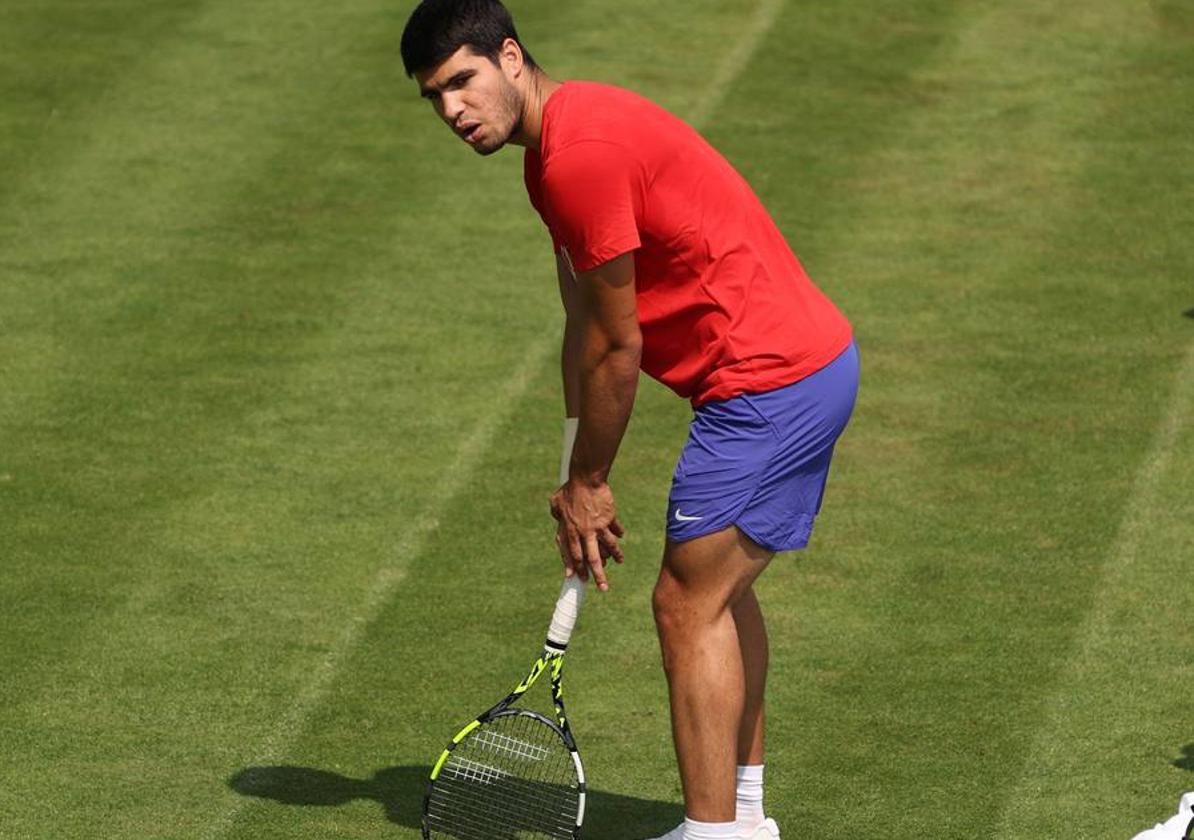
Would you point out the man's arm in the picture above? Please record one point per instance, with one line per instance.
(605, 350)
(610, 351)
(570, 350)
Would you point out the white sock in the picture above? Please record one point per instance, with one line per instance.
(694, 830)
(749, 797)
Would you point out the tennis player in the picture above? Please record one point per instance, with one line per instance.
(668, 262)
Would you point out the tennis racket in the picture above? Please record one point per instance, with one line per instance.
(514, 774)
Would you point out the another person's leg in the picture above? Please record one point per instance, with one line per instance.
(701, 585)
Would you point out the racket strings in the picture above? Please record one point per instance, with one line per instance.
(519, 747)
(498, 816)
(489, 806)
(511, 779)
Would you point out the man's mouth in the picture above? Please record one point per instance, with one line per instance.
(468, 131)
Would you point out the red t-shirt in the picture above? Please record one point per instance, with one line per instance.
(724, 306)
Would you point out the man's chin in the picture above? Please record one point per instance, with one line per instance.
(485, 150)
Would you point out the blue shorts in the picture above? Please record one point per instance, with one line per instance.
(760, 461)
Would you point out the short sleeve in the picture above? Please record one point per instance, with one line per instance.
(590, 195)
(532, 174)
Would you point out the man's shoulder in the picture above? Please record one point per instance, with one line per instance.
(599, 92)
(597, 112)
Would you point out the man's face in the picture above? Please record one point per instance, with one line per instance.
(476, 98)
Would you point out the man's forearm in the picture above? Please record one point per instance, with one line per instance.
(603, 324)
(607, 381)
(570, 353)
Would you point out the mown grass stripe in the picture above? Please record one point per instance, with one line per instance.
(1101, 686)
(55, 63)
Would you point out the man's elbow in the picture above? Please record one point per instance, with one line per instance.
(630, 343)
(630, 354)
(623, 350)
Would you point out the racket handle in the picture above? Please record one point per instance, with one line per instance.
(572, 592)
(572, 595)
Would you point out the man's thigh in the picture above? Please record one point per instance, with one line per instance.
(711, 572)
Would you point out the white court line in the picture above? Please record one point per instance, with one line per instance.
(760, 24)
(1096, 629)
(468, 457)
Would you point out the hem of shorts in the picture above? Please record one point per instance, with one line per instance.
(795, 545)
(707, 530)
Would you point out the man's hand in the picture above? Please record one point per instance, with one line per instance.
(588, 529)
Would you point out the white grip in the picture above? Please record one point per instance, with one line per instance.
(572, 592)
(571, 424)
(572, 595)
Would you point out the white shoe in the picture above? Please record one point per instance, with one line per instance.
(767, 830)
(1178, 827)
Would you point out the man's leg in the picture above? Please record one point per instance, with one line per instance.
(700, 584)
(752, 643)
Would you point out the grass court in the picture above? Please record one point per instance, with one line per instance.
(279, 416)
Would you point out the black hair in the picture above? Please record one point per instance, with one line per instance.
(438, 28)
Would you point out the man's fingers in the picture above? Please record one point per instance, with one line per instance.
(610, 546)
(596, 564)
(588, 531)
(592, 552)
(576, 554)
(568, 570)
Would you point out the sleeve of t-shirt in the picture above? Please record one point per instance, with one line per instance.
(532, 175)
(590, 195)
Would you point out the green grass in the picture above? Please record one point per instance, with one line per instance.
(256, 563)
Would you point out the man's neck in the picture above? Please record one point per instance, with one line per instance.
(539, 89)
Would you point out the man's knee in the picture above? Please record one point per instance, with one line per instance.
(680, 609)
(701, 581)
(673, 620)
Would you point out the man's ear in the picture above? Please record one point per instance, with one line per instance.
(511, 58)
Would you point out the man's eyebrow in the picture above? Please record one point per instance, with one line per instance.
(427, 91)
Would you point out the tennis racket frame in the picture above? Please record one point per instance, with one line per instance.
(551, 661)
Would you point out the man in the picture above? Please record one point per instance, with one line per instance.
(666, 261)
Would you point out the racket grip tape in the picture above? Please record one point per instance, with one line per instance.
(572, 594)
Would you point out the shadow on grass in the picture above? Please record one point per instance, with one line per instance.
(1186, 762)
(399, 790)
(1189, 313)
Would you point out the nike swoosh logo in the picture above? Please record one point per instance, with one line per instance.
(682, 518)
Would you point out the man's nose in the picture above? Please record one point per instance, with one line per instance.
(453, 105)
